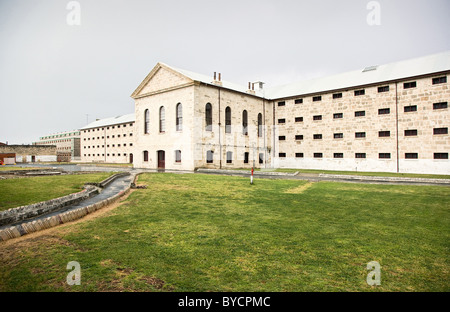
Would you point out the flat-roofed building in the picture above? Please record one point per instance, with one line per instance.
(67, 144)
(108, 140)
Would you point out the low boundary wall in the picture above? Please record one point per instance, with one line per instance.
(65, 217)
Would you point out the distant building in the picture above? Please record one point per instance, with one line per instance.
(67, 144)
(109, 140)
(28, 153)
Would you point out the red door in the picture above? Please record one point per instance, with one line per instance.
(161, 160)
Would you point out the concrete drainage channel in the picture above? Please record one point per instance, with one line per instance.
(20, 221)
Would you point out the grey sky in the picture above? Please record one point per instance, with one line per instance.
(53, 74)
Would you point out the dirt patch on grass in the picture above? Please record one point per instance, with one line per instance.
(300, 189)
(124, 277)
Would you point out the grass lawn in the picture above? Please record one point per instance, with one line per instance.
(196, 232)
(357, 173)
(10, 168)
(25, 191)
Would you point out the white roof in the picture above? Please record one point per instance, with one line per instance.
(209, 80)
(370, 75)
(110, 121)
(365, 76)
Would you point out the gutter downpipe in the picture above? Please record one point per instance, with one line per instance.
(220, 143)
(396, 125)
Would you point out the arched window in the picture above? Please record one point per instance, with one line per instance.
(162, 119)
(259, 125)
(146, 121)
(244, 123)
(179, 113)
(145, 155)
(208, 117)
(228, 120)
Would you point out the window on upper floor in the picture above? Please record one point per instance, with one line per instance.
(146, 121)
(179, 117)
(162, 119)
(244, 122)
(409, 85)
(208, 117)
(228, 120)
(439, 80)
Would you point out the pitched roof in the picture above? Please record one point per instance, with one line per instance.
(110, 121)
(370, 75)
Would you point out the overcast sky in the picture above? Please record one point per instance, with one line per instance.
(56, 77)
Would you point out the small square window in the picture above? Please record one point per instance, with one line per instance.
(281, 121)
(410, 132)
(298, 101)
(360, 155)
(317, 136)
(384, 155)
(360, 92)
(299, 155)
(440, 105)
(298, 119)
(338, 155)
(439, 80)
(338, 115)
(318, 155)
(411, 155)
(282, 137)
(440, 131)
(440, 155)
(317, 98)
(360, 113)
(384, 111)
(282, 103)
(281, 155)
(382, 134)
(360, 134)
(337, 95)
(408, 85)
(410, 108)
(383, 89)
(317, 117)
(299, 137)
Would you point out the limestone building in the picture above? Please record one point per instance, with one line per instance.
(109, 140)
(390, 118)
(27, 153)
(67, 144)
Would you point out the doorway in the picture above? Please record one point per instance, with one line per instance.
(131, 158)
(161, 160)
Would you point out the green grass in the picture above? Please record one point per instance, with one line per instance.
(26, 191)
(9, 168)
(357, 173)
(196, 232)
(370, 174)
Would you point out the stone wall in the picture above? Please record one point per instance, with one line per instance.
(338, 132)
(65, 217)
(30, 153)
(14, 215)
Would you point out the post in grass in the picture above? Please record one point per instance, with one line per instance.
(251, 177)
